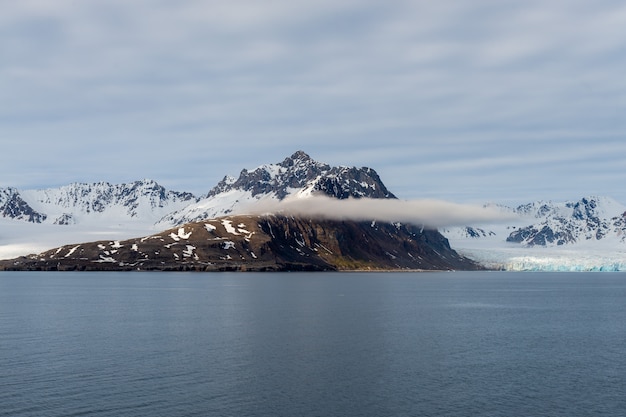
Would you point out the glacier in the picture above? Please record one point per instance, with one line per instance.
(583, 235)
(548, 260)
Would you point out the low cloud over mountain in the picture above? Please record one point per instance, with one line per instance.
(428, 213)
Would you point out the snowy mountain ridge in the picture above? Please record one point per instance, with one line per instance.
(545, 223)
(81, 202)
(587, 219)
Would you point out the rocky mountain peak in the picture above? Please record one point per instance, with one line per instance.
(298, 175)
(298, 158)
(300, 171)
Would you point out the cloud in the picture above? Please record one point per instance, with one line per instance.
(428, 213)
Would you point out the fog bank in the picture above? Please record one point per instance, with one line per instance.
(426, 212)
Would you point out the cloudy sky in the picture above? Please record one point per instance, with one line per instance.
(467, 101)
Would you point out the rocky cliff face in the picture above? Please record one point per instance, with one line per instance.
(260, 243)
(13, 206)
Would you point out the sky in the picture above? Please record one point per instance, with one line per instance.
(464, 101)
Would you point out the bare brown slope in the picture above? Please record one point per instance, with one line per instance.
(260, 243)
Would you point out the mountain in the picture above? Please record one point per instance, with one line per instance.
(140, 200)
(590, 218)
(148, 202)
(297, 175)
(585, 234)
(35, 220)
(260, 243)
(545, 223)
(212, 232)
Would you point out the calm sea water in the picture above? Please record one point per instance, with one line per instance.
(312, 344)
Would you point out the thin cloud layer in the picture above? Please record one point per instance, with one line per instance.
(427, 213)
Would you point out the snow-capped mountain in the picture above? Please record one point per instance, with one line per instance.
(545, 223)
(144, 201)
(592, 218)
(588, 234)
(297, 175)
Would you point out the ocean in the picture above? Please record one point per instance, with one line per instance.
(312, 344)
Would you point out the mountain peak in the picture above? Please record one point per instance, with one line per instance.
(298, 156)
(300, 171)
(297, 175)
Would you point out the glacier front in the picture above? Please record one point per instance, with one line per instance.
(547, 259)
